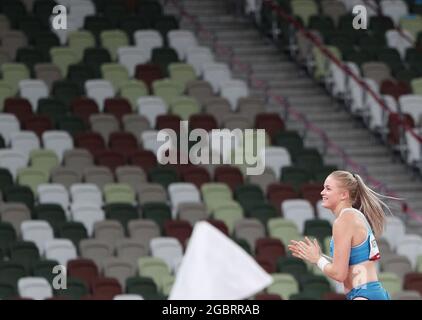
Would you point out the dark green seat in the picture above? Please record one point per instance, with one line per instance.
(66, 91)
(163, 57)
(321, 23)
(7, 290)
(44, 41)
(248, 191)
(263, 212)
(314, 285)
(15, 12)
(323, 172)
(20, 194)
(25, 252)
(302, 296)
(75, 289)
(132, 24)
(6, 178)
(391, 57)
(143, 286)
(157, 211)
(44, 269)
(79, 73)
(380, 24)
(295, 176)
(52, 108)
(291, 140)
(294, 266)
(319, 229)
(74, 231)
(115, 12)
(149, 11)
(122, 212)
(7, 236)
(12, 271)
(96, 24)
(163, 176)
(72, 124)
(2, 143)
(244, 245)
(43, 9)
(30, 57)
(166, 23)
(95, 57)
(358, 57)
(309, 159)
(52, 213)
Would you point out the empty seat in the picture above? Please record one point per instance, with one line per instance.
(167, 248)
(24, 141)
(182, 192)
(99, 175)
(233, 90)
(410, 246)
(119, 269)
(216, 74)
(15, 214)
(95, 250)
(51, 213)
(249, 229)
(53, 194)
(148, 40)
(298, 211)
(61, 250)
(157, 211)
(108, 231)
(33, 90)
(34, 288)
(106, 287)
(38, 232)
(104, 124)
(152, 192)
(99, 90)
(130, 57)
(58, 141)
(143, 231)
(8, 125)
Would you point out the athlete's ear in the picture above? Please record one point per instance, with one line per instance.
(344, 195)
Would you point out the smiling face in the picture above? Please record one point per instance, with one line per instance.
(333, 193)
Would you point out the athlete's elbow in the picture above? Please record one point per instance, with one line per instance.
(340, 276)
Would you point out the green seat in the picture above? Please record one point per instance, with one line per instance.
(25, 252)
(295, 176)
(74, 231)
(63, 57)
(115, 73)
(95, 57)
(327, 242)
(181, 73)
(132, 90)
(416, 85)
(119, 193)
(52, 108)
(144, 286)
(317, 228)
(75, 289)
(321, 61)
(7, 236)
(44, 160)
(244, 244)
(323, 173)
(12, 271)
(294, 266)
(79, 74)
(249, 191)
(284, 285)
(229, 213)
(72, 124)
(263, 212)
(6, 91)
(20, 194)
(391, 57)
(154, 268)
(184, 107)
(314, 285)
(163, 176)
(309, 159)
(7, 290)
(167, 283)
(112, 40)
(44, 269)
(283, 229)
(322, 24)
(66, 91)
(166, 89)
(390, 281)
(291, 140)
(304, 9)
(78, 41)
(407, 74)
(412, 24)
(303, 296)
(156, 211)
(163, 57)
(122, 212)
(215, 193)
(52, 213)
(12, 74)
(6, 178)
(32, 177)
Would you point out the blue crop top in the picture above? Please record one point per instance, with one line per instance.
(361, 252)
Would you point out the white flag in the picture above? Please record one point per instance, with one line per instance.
(214, 267)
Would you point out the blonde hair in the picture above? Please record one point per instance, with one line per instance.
(365, 199)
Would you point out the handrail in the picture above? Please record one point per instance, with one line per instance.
(283, 102)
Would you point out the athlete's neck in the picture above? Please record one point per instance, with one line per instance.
(341, 206)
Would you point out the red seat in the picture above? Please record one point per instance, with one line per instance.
(220, 225)
(232, 176)
(148, 73)
(124, 143)
(38, 124)
(110, 159)
(179, 229)
(268, 296)
(395, 88)
(169, 121)
(271, 122)
(202, 121)
(278, 192)
(84, 269)
(394, 123)
(92, 141)
(117, 107)
(311, 192)
(270, 247)
(83, 108)
(334, 296)
(19, 107)
(266, 262)
(144, 159)
(413, 281)
(196, 175)
(106, 287)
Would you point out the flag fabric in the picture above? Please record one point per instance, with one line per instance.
(214, 267)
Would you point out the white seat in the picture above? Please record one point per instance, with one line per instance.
(397, 41)
(379, 116)
(215, 73)
(148, 40)
(395, 9)
(33, 90)
(13, 160)
(414, 147)
(324, 213)
(411, 103)
(128, 297)
(130, 57)
(57, 140)
(24, 141)
(233, 90)
(87, 193)
(355, 92)
(394, 231)
(54, 193)
(88, 214)
(61, 250)
(99, 90)
(37, 231)
(150, 141)
(73, 24)
(410, 245)
(36, 288)
(8, 125)
(338, 78)
(151, 107)
(181, 41)
(298, 211)
(167, 248)
(79, 10)
(182, 192)
(198, 57)
(276, 158)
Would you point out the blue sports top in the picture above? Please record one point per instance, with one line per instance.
(361, 252)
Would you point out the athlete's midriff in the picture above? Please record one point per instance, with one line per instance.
(360, 274)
